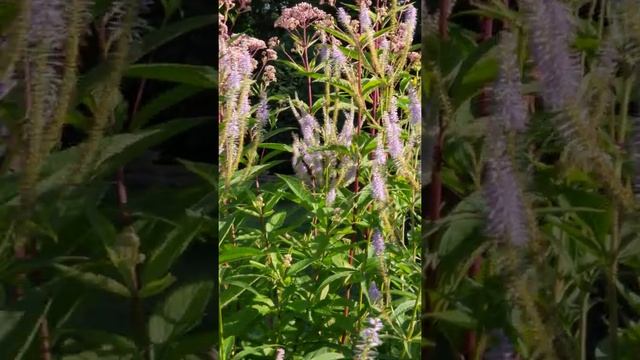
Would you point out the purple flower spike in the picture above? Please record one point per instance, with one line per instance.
(378, 242)
(378, 185)
(369, 340)
(374, 293)
(414, 106)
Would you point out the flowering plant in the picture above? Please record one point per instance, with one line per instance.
(326, 260)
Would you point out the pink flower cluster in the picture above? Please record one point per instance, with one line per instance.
(300, 16)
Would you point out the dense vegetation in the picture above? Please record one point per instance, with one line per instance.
(95, 229)
(532, 173)
(321, 262)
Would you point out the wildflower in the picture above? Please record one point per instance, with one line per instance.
(338, 57)
(300, 16)
(262, 113)
(379, 156)
(378, 242)
(410, 21)
(510, 106)
(269, 55)
(415, 108)
(296, 161)
(331, 196)
(374, 293)
(273, 42)
(552, 32)
(269, 75)
(365, 20)
(248, 42)
(506, 209)
(280, 354)
(343, 18)
(378, 185)
(392, 128)
(369, 340)
(309, 126)
(346, 135)
(414, 58)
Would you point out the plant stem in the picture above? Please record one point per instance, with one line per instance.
(612, 271)
(583, 326)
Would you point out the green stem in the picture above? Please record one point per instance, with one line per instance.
(583, 327)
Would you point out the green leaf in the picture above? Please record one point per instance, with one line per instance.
(19, 325)
(231, 254)
(296, 186)
(179, 312)
(455, 317)
(276, 221)
(157, 286)
(276, 146)
(202, 76)
(94, 280)
(162, 102)
(162, 258)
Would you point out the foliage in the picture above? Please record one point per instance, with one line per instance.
(88, 268)
(536, 125)
(323, 264)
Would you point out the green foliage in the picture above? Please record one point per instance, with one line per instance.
(561, 295)
(92, 268)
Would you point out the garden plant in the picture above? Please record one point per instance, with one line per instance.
(95, 245)
(320, 259)
(532, 171)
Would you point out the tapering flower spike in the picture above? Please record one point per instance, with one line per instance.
(510, 106)
(369, 340)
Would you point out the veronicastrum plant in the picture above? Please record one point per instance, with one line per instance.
(325, 262)
(77, 248)
(535, 125)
